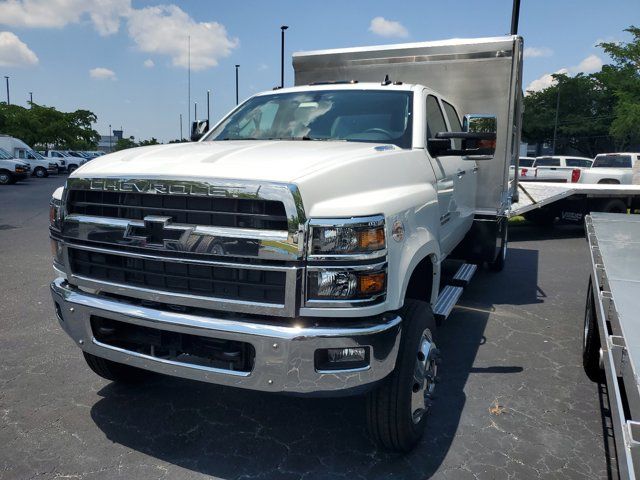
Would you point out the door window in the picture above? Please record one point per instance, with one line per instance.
(435, 118)
(454, 122)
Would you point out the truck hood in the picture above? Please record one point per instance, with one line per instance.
(257, 160)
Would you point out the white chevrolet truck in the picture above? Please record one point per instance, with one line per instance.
(613, 169)
(297, 246)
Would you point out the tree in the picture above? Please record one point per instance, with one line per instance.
(623, 79)
(152, 141)
(45, 127)
(124, 143)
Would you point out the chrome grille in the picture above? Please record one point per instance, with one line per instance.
(223, 282)
(194, 210)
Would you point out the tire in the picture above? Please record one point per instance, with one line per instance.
(395, 418)
(41, 172)
(614, 206)
(498, 264)
(591, 340)
(6, 178)
(71, 169)
(116, 372)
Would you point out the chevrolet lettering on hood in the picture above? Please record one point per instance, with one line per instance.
(172, 188)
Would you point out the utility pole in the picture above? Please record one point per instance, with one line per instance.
(180, 127)
(237, 66)
(208, 110)
(555, 127)
(189, 80)
(31, 98)
(110, 137)
(282, 29)
(8, 100)
(515, 16)
(195, 111)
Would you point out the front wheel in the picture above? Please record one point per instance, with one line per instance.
(71, 169)
(6, 178)
(397, 410)
(40, 172)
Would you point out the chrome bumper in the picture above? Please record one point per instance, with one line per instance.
(284, 355)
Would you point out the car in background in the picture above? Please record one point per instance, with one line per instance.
(559, 168)
(614, 168)
(70, 162)
(12, 170)
(40, 166)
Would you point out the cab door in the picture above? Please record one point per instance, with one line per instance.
(447, 170)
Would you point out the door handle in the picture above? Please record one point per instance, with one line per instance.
(461, 173)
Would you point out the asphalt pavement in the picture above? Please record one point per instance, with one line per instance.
(513, 402)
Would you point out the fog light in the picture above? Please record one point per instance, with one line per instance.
(342, 358)
(346, 354)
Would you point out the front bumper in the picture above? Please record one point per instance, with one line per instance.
(284, 355)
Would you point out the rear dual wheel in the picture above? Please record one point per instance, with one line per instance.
(397, 410)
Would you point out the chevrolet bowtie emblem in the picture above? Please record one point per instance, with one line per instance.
(157, 231)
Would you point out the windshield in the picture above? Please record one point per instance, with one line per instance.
(4, 155)
(351, 115)
(547, 162)
(612, 161)
(34, 155)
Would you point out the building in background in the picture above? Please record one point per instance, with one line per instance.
(107, 143)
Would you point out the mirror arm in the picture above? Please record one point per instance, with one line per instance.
(467, 135)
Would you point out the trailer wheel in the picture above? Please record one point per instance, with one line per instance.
(591, 340)
(116, 372)
(614, 205)
(397, 410)
(498, 264)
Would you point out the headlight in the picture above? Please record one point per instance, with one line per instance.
(55, 210)
(362, 284)
(352, 236)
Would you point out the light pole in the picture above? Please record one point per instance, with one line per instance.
(282, 29)
(208, 110)
(31, 98)
(110, 138)
(7, 80)
(195, 111)
(180, 127)
(237, 66)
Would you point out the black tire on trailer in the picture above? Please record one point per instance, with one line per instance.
(116, 372)
(397, 410)
(498, 264)
(591, 340)
(6, 178)
(41, 172)
(615, 205)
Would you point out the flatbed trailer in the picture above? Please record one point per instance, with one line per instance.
(611, 343)
(543, 202)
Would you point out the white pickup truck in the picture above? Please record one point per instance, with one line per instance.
(612, 168)
(562, 169)
(69, 162)
(297, 247)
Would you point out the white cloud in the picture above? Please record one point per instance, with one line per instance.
(591, 64)
(164, 30)
(14, 52)
(388, 28)
(104, 14)
(101, 73)
(149, 63)
(531, 52)
(161, 29)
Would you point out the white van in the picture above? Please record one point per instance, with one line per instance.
(40, 166)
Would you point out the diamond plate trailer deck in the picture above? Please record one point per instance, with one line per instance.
(614, 297)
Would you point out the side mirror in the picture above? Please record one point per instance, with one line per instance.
(478, 139)
(198, 129)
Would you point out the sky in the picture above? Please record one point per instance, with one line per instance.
(127, 60)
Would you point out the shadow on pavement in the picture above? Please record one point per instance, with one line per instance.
(229, 433)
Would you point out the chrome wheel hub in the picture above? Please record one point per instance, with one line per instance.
(424, 376)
